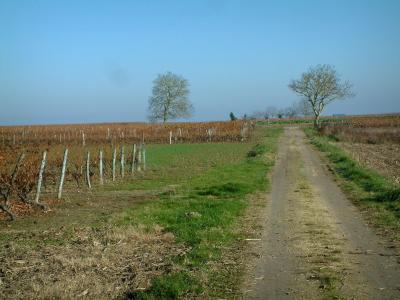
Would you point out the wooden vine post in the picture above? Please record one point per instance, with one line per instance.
(88, 170)
(83, 139)
(64, 167)
(122, 162)
(133, 158)
(113, 163)
(40, 179)
(101, 167)
(144, 156)
(139, 164)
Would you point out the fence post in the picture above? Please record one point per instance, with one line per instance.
(170, 137)
(83, 139)
(144, 157)
(139, 164)
(40, 179)
(133, 158)
(113, 163)
(122, 162)
(88, 170)
(209, 133)
(64, 167)
(101, 166)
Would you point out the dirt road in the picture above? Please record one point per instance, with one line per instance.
(315, 244)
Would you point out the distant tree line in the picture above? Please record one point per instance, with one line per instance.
(300, 109)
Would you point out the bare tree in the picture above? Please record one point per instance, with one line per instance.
(320, 86)
(170, 98)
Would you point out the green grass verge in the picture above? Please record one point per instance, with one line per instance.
(203, 212)
(365, 186)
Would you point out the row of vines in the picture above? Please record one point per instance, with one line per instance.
(365, 129)
(51, 172)
(122, 133)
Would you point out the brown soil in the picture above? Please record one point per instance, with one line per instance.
(384, 158)
(315, 244)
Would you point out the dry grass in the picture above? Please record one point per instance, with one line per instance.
(96, 264)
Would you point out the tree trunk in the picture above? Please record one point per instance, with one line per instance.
(316, 122)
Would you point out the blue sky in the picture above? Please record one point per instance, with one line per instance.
(94, 61)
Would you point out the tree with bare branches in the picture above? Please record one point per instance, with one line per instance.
(170, 98)
(320, 86)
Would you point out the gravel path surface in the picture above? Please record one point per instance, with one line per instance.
(315, 244)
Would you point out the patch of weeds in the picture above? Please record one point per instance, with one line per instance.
(390, 195)
(224, 190)
(257, 150)
(327, 282)
(170, 286)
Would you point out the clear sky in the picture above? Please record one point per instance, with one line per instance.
(94, 61)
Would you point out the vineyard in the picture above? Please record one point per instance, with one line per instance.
(365, 129)
(123, 132)
(372, 141)
(39, 162)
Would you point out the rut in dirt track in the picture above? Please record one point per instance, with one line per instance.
(315, 243)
